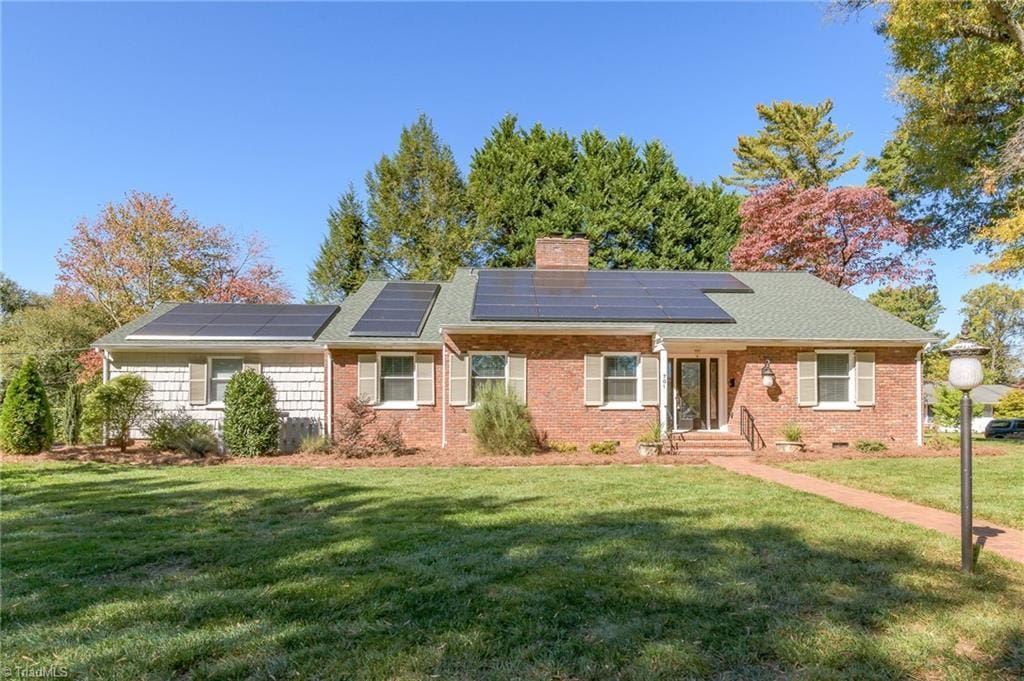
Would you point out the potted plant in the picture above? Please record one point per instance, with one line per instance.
(649, 443)
(792, 435)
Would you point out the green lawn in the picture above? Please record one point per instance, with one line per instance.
(998, 480)
(533, 573)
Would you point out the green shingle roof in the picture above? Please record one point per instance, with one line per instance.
(784, 306)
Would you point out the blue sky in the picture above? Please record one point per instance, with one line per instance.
(256, 116)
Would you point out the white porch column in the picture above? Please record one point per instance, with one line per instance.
(663, 393)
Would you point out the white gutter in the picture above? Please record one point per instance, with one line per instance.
(845, 342)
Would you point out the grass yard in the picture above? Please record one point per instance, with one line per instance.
(539, 573)
(998, 480)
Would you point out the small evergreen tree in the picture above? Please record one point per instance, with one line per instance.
(251, 421)
(72, 425)
(342, 265)
(120, 405)
(26, 424)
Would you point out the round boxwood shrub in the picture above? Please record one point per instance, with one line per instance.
(26, 424)
(251, 421)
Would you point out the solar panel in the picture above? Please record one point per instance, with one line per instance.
(606, 295)
(400, 309)
(238, 321)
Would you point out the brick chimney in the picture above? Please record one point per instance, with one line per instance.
(555, 253)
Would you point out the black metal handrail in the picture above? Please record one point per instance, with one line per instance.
(748, 429)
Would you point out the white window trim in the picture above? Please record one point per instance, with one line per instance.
(621, 406)
(210, 404)
(397, 405)
(469, 372)
(851, 404)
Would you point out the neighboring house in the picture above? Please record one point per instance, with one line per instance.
(986, 395)
(596, 355)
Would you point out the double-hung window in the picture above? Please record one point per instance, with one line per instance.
(621, 379)
(834, 378)
(221, 371)
(487, 370)
(397, 379)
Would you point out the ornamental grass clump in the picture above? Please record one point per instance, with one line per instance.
(501, 424)
(26, 423)
(251, 421)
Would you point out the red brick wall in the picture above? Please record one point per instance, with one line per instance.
(562, 254)
(554, 388)
(421, 426)
(891, 419)
(555, 394)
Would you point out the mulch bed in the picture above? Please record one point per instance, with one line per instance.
(141, 455)
(771, 456)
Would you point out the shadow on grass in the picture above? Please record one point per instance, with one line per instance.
(144, 574)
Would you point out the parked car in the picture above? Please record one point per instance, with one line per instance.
(997, 429)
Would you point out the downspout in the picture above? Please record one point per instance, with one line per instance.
(920, 399)
(106, 378)
(329, 401)
(444, 392)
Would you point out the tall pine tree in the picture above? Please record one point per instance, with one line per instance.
(420, 226)
(798, 143)
(342, 265)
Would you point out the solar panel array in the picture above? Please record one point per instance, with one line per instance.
(601, 296)
(238, 321)
(400, 309)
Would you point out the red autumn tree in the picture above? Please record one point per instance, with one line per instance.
(144, 251)
(846, 236)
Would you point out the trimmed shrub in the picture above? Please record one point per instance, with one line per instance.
(352, 438)
(120, 404)
(26, 423)
(72, 425)
(1011, 405)
(314, 444)
(501, 424)
(178, 432)
(604, 447)
(251, 421)
(562, 447)
(870, 446)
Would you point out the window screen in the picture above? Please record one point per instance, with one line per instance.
(221, 371)
(397, 374)
(833, 377)
(620, 378)
(487, 370)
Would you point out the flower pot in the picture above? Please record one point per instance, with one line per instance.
(649, 448)
(789, 447)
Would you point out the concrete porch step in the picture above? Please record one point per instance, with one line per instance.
(708, 451)
(718, 445)
(707, 435)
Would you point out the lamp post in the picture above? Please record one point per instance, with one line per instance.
(965, 374)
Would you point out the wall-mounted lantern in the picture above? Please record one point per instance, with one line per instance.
(767, 375)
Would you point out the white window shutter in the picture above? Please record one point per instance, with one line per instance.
(424, 379)
(593, 380)
(650, 378)
(367, 378)
(197, 381)
(458, 393)
(807, 379)
(517, 376)
(865, 378)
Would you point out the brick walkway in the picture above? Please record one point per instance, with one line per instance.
(1006, 542)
